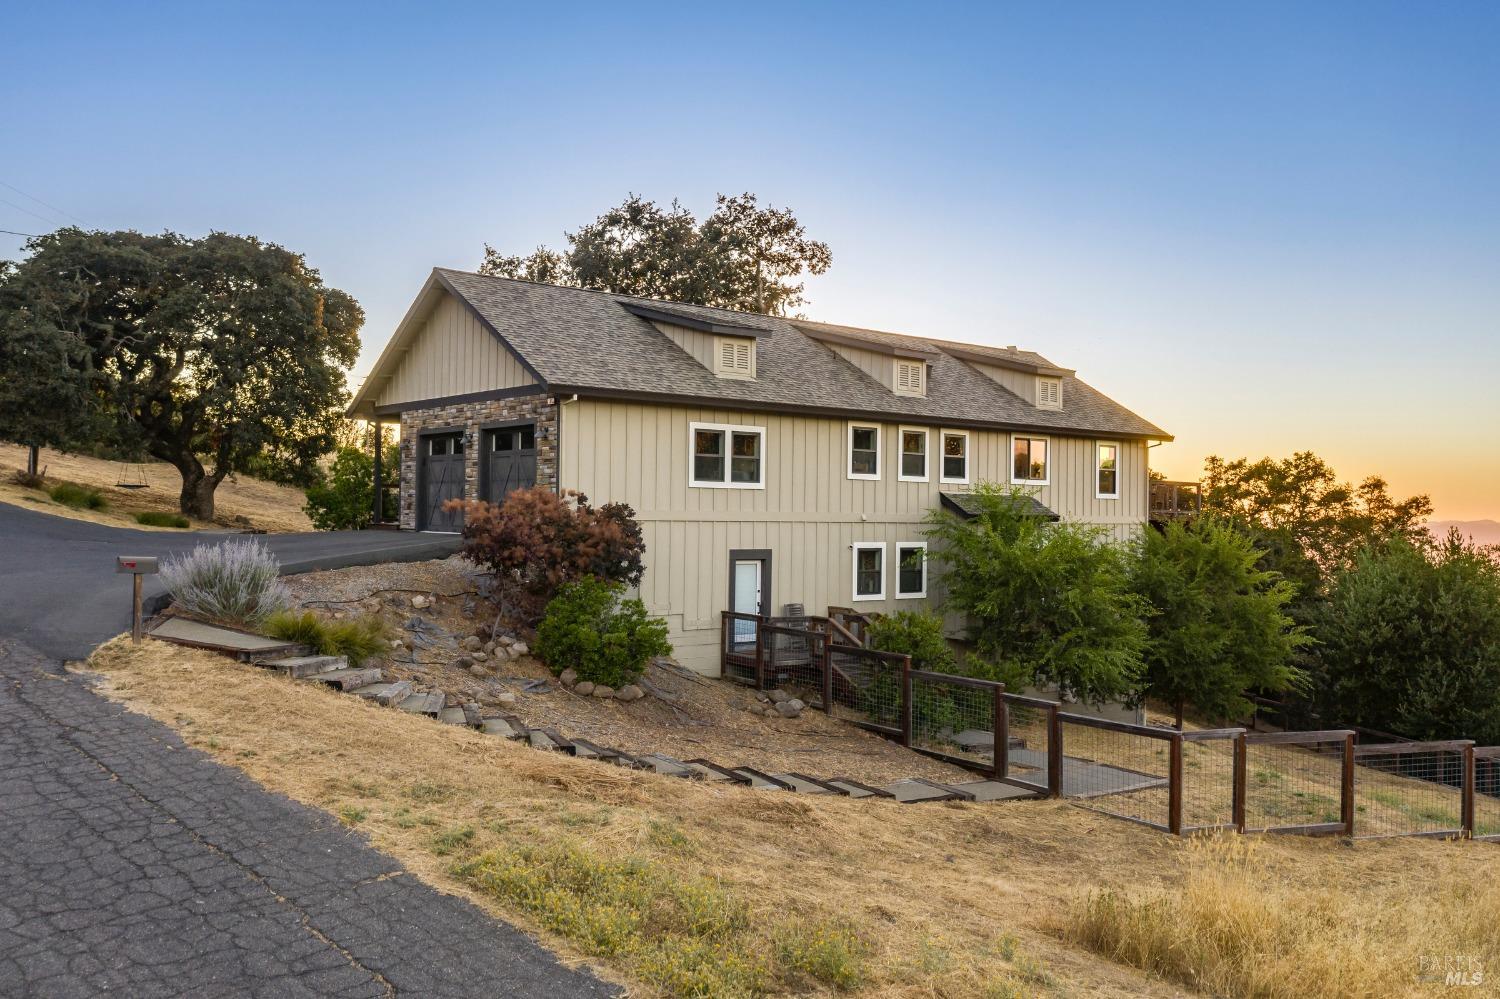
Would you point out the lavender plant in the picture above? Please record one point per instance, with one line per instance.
(236, 582)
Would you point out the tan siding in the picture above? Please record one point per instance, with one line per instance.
(881, 367)
(809, 514)
(1019, 382)
(452, 354)
(698, 344)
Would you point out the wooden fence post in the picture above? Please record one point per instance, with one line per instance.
(906, 710)
(760, 657)
(1240, 783)
(1347, 810)
(1468, 792)
(1054, 752)
(1174, 784)
(1000, 752)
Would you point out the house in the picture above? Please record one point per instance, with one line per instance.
(769, 460)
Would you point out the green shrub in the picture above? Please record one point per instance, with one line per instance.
(357, 638)
(157, 518)
(344, 500)
(915, 633)
(606, 639)
(76, 496)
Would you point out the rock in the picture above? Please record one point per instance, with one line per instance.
(762, 697)
(501, 654)
(756, 709)
(798, 704)
(505, 699)
(585, 688)
(473, 644)
(506, 641)
(771, 713)
(629, 692)
(463, 662)
(777, 696)
(479, 670)
(603, 690)
(489, 646)
(396, 643)
(786, 710)
(568, 677)
(520, 648)
(479, 655)
(420, 603)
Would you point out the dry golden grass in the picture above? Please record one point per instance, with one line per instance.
(946, 900)
(266, 505)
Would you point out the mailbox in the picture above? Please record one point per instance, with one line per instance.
(136, 565)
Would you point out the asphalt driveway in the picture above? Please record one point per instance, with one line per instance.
(59, 593)
(134, 865)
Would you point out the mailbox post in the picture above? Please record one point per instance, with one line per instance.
(136, 566)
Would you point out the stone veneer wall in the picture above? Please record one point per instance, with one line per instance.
(471, 417)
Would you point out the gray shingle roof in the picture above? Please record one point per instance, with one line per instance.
(584, 341)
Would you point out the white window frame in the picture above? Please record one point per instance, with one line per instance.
(1097, 494)
(1042, 380)
(849, 451)
(1010, 457)
(854, 551)
(943, 455)
(901, 433)
(729, 430)
(905, 546)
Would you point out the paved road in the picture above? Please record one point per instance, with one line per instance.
(133, 865)
(59, 593)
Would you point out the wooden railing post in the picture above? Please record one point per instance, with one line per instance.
(1241, 785)
(1467, 807)
(1347, 811)
(724, 644)
(906, 709)
(1000, 752)
(1174, 785)
(1054, 752)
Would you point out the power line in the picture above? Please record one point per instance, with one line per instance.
(28, 211)
(44, 204)
(28, 235)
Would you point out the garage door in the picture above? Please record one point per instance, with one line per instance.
(509, 461)
(440, 478)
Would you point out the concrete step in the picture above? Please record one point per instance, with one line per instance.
(711, 771)
(586, 750)
(761, 781)
(349, 678)
(302, 667)
(429, 704)
(386, 693)
(452, 716)
(803, 784)
(991, 790)
(538, 740)
(562, 744)
(664, 764)
(500, 727)
(916, 790)
(855, 789)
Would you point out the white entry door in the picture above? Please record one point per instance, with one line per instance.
(747, 597)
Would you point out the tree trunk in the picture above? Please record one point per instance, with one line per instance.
(33, 459)
(197, 498)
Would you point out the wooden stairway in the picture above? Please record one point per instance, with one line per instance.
(370, 683)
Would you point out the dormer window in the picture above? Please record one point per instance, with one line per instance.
(911, 377)
(1048, 392)
(734, 357)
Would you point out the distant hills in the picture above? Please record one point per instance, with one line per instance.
(1481, 532)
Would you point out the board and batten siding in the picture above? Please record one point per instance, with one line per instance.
(809, 514)
(452, 354)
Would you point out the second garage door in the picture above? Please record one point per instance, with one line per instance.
(508, 461)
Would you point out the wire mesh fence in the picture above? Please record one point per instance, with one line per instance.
(1409, 789)
(954, 717)
(791, 658)
(1486, 817)
(1212, 775)
(1299, 781)
(1027, 758)
(868, 687)
(1118, 768)
(739, 647)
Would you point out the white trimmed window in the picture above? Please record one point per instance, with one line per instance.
(1048, 392)
(869, 570)
(1106, 470)
(1029, 460)
(724, 456)
(864, 451)
(734, 357)
(911, 570)
(913, 454)
(911, 377)
(955, 467)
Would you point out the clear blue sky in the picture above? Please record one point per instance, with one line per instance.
(1266, 228)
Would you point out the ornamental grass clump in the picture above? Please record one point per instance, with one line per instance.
(236, 582)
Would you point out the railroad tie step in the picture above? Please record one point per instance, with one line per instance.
(762, 781)
(664, 764)
(429, 704)
(302, 667)
(385, 693)
(452, 716)
(500, 727)
(711, 771)
(586, 750)
(855, 789)
(915, 789)
(803, 784)
(351, 677)
(472, 717)
(539, 740)
(992, 790)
